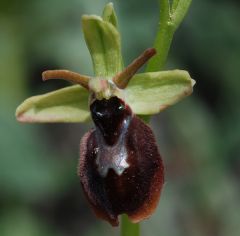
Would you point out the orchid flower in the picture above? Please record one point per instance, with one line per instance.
(120, 168)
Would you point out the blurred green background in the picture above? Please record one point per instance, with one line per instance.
(199, 138)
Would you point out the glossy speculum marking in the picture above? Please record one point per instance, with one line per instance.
(112, 118)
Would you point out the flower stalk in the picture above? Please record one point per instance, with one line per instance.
(128, 228)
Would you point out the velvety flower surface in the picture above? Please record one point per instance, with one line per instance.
(120, 168)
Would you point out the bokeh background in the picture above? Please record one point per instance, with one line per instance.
(199, 138)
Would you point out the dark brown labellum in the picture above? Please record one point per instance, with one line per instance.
(120, 168)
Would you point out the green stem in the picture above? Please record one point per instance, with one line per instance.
(170, 18)
(163, 39)
(128, 228)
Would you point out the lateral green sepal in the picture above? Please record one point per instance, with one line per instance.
(69, 104)
(150, 93)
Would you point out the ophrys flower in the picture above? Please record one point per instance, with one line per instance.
(120, 167)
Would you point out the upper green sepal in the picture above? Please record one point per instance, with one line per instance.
(150, 93)
(69, 104)
(103, 41)
(109, 15)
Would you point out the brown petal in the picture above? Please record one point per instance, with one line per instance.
(122, 79)
(66, 75)
(136, 191)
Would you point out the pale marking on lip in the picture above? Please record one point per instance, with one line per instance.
(115, 156)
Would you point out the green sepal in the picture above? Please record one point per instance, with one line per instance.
(103, 41)
(109, 14)
(69, 104)
(150, 93)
